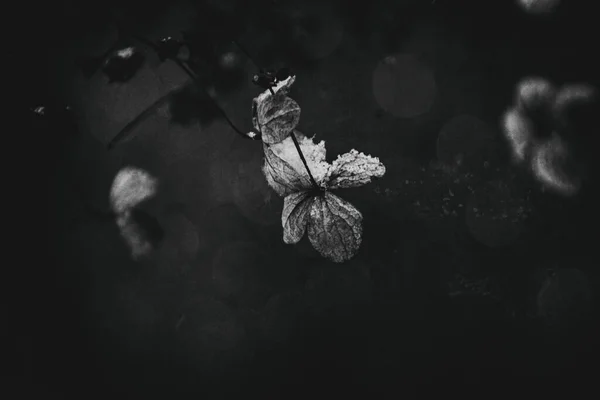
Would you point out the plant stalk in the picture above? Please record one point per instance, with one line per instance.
(189, 72)
(312, 179)
(161, 101)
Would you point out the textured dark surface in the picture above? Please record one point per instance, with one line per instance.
(224, 307)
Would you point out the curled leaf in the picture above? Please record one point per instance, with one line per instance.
(277, 116)
(353, 169)
(296, 209)
(284, 169)
(278, 112)
(334, 227)
(281, 176)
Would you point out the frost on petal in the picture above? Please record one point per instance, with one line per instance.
(296, 209)
(353, 169)
(534, 93)
(284, 169)
(130, 187)
(334, 227)
(276, 117)
(517, 129)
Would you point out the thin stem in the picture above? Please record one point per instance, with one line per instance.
(140, 117)
(312, 179)
(189, 72)
(163, 100)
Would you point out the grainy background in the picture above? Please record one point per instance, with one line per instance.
(467, 275)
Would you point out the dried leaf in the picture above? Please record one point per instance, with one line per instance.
(296, 209)
(282, 87)
(275, 116)
(284, 169)
(353, 169)
(334, 227)
(281, 176)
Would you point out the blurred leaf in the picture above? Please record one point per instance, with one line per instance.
(548, 127)
(123, 64)
(149, 226)
(130, 187)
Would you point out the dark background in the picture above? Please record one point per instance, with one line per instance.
(73, 338)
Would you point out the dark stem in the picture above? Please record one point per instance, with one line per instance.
(163, 100)
(140, 117)
(312, 179)
(191, 74)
